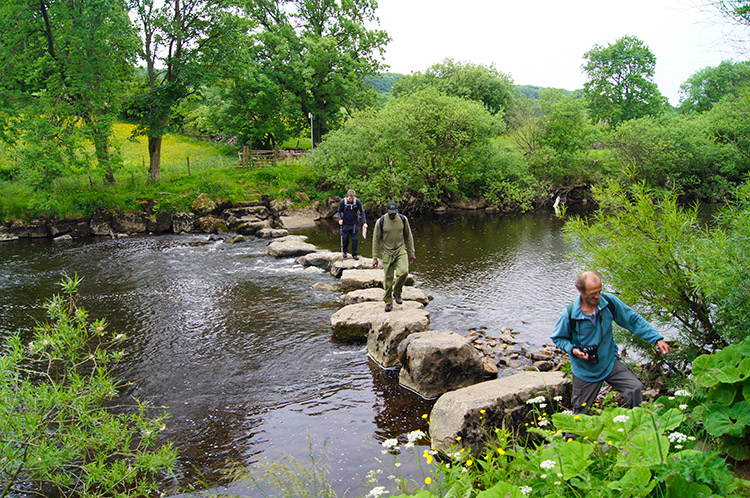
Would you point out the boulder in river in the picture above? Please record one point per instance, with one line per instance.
(355, 321)
(435, 362)
(388, 330)
(409, 293)
(471, 413)
(129, 222)
(183, 222)
(321, 259)
(339, 266)
(290, 246)
(365, 279)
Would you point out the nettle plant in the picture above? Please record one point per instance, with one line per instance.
(648, 451)
(722, 397)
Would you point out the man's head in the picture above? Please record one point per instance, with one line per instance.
(350, 195)
(589, 284)
(392, 209)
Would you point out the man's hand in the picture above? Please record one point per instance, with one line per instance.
(341, 222)
(364, 226)
(375, 263)
(580, 354)
(663, 346)
(412, 258)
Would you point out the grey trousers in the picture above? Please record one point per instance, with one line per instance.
(622, 379)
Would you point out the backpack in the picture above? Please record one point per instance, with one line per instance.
(382, 220)
(572, 323)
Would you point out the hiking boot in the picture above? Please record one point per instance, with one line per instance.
(356, 258)
(345, 255)
(388, 307)
(398, 299)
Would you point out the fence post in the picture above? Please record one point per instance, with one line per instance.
(188, 163)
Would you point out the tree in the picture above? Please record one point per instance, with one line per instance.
(709, 85)
(318, 52)
(63, 64)
(416, 148)
(183, 42)
(469, 81)
(620, 82)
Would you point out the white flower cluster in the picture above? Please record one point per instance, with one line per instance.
(377, 491)
(413, 437)
(543, 422)
(677, 437)
(548, 464)
(682, 392)
(621, 419)
(683, 407)
(526, 489)
(558, 399)
(538, 399)
(390, 444)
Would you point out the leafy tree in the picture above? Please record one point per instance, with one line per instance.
(620, 82)
(469, 81)
(416, 148)
(59, 439)
(678, 154)
(729, 122)
(660, 257)
(709, 85)
(182, 43)
(318, 53)
(62, 65)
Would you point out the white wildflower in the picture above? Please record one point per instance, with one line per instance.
(682, 392)
(543, 476)
(526, 490)
(620, 430)
(683, 406)
(621, 419)
(397, 464)
(390, 444)
(543, 422)
(534, 401)
(548, 464)
(677, 437)
(377, 491)
(670, 398)
(691, 438)
(678, 446)
(558, 399)
(543, 405)
(557, 483)
(567, 412)
(415, 436)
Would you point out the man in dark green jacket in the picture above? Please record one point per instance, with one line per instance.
(393, 244)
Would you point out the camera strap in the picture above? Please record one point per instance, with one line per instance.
(573, 324)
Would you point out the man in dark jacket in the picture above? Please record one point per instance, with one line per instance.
(351, 213)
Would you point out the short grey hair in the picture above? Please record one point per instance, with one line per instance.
(351, 193)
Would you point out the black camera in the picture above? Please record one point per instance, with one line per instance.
(593, 352)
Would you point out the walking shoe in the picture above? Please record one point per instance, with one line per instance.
(345, 255)
(356, 258)
(388, 307)
(398, 299)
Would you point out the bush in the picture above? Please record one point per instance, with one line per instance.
(58, 439)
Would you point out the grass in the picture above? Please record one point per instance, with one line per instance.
(188, 167)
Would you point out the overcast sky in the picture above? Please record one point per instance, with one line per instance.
(542, 42)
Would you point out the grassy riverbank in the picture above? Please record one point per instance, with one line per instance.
(189, 167)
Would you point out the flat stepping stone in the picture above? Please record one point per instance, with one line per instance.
(355, 321)
(290, 246)
(376, 294)
(364, 279)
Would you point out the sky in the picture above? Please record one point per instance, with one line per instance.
(543, 42)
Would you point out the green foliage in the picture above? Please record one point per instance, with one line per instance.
(704, 88)
(653, 253)
(643, 452)
(57, 434)
(729, 122)
(679, 154)
(620, 82)
(469, 81)
(418, 145)
(723, 380)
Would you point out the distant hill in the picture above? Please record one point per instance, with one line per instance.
(383, 84)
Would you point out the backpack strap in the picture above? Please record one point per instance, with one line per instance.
(572, 323)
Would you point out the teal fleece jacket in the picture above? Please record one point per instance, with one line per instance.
(588, 334)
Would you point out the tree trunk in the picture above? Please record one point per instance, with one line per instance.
(101, 147)
(154, 154)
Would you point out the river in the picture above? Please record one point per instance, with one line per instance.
(238, 348)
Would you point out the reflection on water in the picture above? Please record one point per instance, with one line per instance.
(237, 346)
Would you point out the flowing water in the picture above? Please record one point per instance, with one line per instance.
(238, 348)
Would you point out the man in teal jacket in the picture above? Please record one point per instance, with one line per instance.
(393, 244)
(584, 331)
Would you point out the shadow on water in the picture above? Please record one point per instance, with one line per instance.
(237, 346)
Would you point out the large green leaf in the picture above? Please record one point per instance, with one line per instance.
(460, 489)
(574, 456)
(722, 420)
(723, 393)
(502, 490)
(678, 487)
(583, 425)
(643, 449)
(636, 482)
